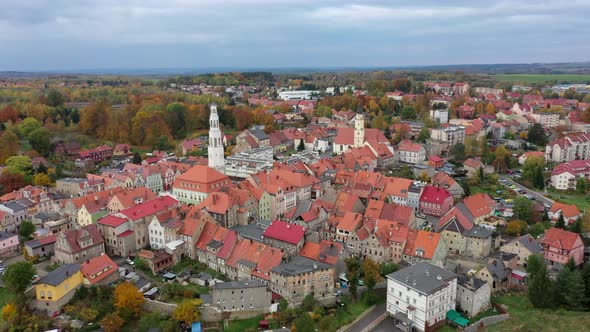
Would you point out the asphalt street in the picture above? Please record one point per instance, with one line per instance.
(538, 196)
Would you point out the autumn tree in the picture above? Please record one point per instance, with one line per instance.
(95, 119)
(187, 311)
(372, 272)
(9, 311)
(10, 182)
(112, 322)
(490, 109)
(42, 179)
(9, 145)
(8, 114)
(128, 300)
(516, 227)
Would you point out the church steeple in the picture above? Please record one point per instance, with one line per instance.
(215, 148)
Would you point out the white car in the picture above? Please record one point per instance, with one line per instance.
(129, 261)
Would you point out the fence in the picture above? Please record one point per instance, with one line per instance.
(157, 306)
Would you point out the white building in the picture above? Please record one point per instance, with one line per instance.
(156, 232)
(421, 295)
(547, 120)
(570, 147)
(410, 152)
(215, 150)
(565, 176)
(450, 135)
(441, 115)
(297, 95)
(249, 162)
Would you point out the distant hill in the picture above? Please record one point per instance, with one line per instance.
(517, 68)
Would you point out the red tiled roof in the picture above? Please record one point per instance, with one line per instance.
(568, 210)
(112, 221)
(419, 240)
(103, 264)
(285, 232)
(74, 236)
(149, 208)
(436, 195)
(479, 204)
(562, 239)
(201, 174)
(326, 251)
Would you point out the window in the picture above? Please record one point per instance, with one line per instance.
(49, 295)
(42, 294)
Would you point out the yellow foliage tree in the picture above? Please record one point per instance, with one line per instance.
(490, 109)
(41, 179)
(112, 322)
(8, 312)
(128, 297)
(187, 311)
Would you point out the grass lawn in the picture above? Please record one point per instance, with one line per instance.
(523, 317)
(582, 201)
(540, 78)
(491, 189)
(251, 323)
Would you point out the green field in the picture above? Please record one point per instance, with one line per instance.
(523, 317)
(541, 78)
(582, 201)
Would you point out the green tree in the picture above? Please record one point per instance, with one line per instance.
(536, 135)
(27, 126)
(9, 145)
(388, 268)
(353, 266)
(576, 227)
(560, 223)
(26, 229)
(40, 139)
(19, 165)
(541, 289)
(424, 135)
(458, 151)
(55, 99)
(582, 185)
(17, 279)
(408, 113)
(163, 143)
(304, 323)
(136, 158)
(571, 289)
(309, 302)
(301, 145)
(539, 178)
(523, 208)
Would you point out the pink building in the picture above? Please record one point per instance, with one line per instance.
(560, 245)
(8, 242)
(435, 201)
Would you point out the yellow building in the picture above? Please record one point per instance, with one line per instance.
(57, 288)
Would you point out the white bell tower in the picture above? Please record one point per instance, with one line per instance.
(359, 130)
(215, 149)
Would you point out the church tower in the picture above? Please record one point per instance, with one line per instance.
(215, 149)
(359, 130)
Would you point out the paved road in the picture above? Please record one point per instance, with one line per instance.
(538, 196)
(386, 325)
(368, 319)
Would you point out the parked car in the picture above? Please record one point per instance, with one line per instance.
(130, 261)
(338, 293)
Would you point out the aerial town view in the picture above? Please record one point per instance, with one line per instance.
(253, 165)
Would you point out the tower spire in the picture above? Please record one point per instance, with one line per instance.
(216, 157)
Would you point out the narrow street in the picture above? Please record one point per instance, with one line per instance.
(538, 196)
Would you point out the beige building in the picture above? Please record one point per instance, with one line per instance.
(473, 295)
(300, 277)
(241, 295)
(522, 247)
(79, 245)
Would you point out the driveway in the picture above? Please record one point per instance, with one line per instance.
(387, 325)
(368, 319)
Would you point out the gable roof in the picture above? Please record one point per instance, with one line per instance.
(98, 268)
(421, 243)
(74, 236)
(562, 239)
(150, 207)
(568, 210)
(59, 275)
(434, 195)
(285, 232)
(325, 251)
(479, 204)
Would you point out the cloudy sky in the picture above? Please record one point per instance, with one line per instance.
(100, 34)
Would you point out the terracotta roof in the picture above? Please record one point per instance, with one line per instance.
(285, 232)
(326, 251)
(568, 210)
(201, 174)
(473, 163)
(479, 204)
(562, 239)
(409, 146)
(421, 243)
(98, 268)
(350, 221)
(217, 202)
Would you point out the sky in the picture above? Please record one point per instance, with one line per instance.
(133, 34)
